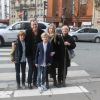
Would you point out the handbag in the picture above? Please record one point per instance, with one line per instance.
(71, 53)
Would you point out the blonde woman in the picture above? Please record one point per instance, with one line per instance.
(53, 40)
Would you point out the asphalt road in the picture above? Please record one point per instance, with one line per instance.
(88, 57)
(83, 81)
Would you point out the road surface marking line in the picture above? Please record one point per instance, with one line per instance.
(77, 73)
(12, 75)
(5, 94)
(53, 91)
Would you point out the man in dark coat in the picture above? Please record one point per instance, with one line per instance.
(64, 61)
(33, 37)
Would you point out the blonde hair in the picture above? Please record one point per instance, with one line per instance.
(65, 27)
(45, 34)
(51, 26)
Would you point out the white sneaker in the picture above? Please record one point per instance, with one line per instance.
(44, 88)
(40, 89)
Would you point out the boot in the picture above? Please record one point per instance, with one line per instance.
(55, 83)
(29, 86)
(47, 85)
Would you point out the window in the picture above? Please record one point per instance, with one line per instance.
(42, 26)
(86, 30)
(26, 25)
(17, 26)
(93, 31)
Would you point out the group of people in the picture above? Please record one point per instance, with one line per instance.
(45, 52)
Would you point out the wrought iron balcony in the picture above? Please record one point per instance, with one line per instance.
(24, 6)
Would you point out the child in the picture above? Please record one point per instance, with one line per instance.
(43, 59)
(18, 57)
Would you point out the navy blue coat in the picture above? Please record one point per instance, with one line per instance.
(40, 54)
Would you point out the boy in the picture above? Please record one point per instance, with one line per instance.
(42, 60)
(18, 56)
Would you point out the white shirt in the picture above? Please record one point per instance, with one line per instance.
(44, 57)
(23, 59)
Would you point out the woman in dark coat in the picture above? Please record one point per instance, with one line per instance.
(52, 68)
(67, 43)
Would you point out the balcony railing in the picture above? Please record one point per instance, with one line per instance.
(24, 6)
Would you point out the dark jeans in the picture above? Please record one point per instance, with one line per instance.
(21, 65)
(32, 77)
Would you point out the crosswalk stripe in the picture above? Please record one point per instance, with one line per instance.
(5, 53)
(5, 94)
(7, 50)
(12, 75)
(35, 92)
(11, 65)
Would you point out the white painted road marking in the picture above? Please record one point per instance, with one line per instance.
(5, 50)
(35, 92)
(5, 94)
(77, 73)
(4, 54)
(11, 65)
(53, 91)
(12, 75)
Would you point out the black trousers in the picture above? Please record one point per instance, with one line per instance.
(61, 72)
(52, 71)
(32, 71)
(22, 66)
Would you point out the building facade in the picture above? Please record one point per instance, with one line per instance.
(82, 11)
(25, 9)
(71, 12)
(4, 11)
(0, 10)
(96, 14)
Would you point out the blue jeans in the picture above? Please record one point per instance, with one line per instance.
(41, 77)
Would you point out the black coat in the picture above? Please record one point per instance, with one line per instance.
(18, 51)
(62, 48)
(31, 42)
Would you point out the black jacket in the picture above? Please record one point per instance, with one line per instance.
(18, 52)
(31, 42)
(62, 49)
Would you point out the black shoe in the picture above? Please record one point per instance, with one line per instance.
(59, 84)
(34, 85)
(23, 86)
(55, 83)
(29, 86)
(47, 85)
(18, 86)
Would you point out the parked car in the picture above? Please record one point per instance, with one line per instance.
(87, 34)
(9, 34)
(2, 26)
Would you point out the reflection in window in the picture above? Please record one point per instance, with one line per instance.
(17, 26)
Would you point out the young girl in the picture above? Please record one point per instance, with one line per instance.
(18, 56)
(43, 60)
